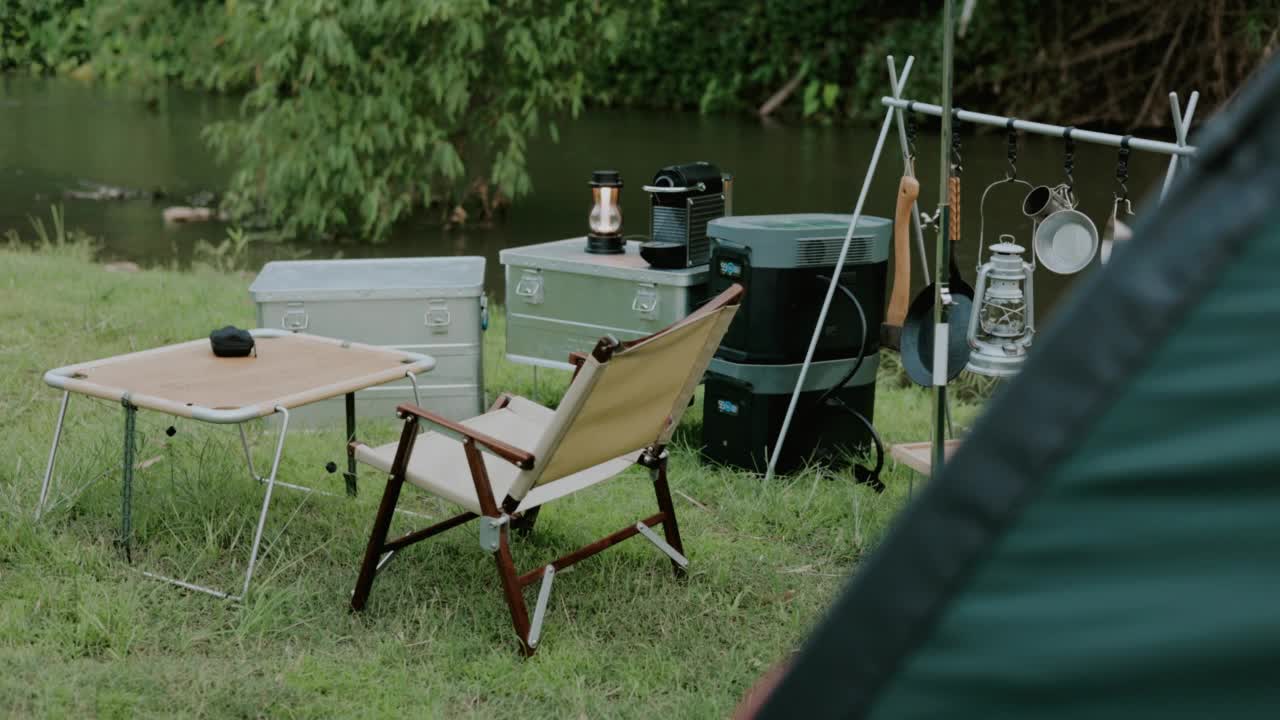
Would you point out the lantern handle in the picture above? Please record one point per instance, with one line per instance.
(982, 210)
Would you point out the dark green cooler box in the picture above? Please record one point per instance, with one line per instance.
(785, 263)
(744, 405)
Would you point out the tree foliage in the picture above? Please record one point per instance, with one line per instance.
(1101, 61)
(43, 36)
(357, 113)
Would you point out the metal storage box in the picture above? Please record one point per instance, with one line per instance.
(560, 299)
(434, 306)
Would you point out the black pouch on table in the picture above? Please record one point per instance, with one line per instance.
(231, 341)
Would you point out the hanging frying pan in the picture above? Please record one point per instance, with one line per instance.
(917, 337)
(917, 331)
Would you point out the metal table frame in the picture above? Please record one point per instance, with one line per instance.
(422, 363)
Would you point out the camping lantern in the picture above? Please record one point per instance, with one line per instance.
(605, 220)
(1003, 320)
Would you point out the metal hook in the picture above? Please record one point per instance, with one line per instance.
(957, 165)
(1122, 168)
(911, 132)
(1069, 157)
(1011, 140)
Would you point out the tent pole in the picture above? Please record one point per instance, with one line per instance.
(835, 279)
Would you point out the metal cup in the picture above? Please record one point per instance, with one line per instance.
(1044, 201)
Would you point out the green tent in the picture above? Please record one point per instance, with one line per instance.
(1106, 543)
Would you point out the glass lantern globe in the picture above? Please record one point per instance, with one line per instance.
(605, 218)
(1004, 310)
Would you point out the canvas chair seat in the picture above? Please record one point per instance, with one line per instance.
(438, 464)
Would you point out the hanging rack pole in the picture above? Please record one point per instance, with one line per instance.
(1181, 126)
(942, 257)
(835, 280)
(1038, 128)
(909, 169)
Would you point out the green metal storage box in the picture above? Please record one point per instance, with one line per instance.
(434, 306)
(560, 299)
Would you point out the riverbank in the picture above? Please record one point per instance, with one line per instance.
(81, 633)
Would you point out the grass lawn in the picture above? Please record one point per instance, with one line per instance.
(84, 634)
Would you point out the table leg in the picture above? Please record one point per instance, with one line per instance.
(351, 436)
(266, 503)
(248, 456)
(126, 515)
(53, 454)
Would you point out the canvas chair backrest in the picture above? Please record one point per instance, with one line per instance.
(629, 396)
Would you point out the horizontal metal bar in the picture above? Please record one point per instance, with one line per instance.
(1038, 128)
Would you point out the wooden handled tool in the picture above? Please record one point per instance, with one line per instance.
(953, 193)
(956, 282)
(891, 330)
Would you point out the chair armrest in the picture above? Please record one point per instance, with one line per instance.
(506, 451)
(577, 359)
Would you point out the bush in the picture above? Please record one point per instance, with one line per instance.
(43, 36)
(358, 113)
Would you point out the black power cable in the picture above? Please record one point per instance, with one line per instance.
(862, 473)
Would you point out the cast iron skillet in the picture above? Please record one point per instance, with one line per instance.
(917, 331)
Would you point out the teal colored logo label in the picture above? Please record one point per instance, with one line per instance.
(726, 407)
(730, 269)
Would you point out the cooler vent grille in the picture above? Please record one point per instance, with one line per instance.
(824, 252)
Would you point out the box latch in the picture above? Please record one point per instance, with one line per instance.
(295, 317)
(529, 287)
(438, 317)
(645, 303)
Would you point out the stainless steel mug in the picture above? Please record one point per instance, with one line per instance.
(1044, 201)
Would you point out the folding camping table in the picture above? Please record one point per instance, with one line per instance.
(188, 380)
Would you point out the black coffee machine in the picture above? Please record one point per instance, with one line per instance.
(684, 199)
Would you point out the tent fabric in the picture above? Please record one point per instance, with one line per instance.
(1104, 542)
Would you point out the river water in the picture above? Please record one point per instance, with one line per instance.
(57, 133)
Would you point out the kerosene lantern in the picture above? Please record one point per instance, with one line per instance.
(605, 219)
(1003, 320)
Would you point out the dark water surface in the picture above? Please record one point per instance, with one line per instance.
(55, 133)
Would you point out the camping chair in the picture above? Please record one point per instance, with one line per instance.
(621, 408)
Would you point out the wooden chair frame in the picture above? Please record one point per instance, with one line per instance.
(498, 519)
(503, 515)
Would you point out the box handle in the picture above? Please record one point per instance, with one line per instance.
(645, 303)
(530, 287)
(295, 318)
(438, 316)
